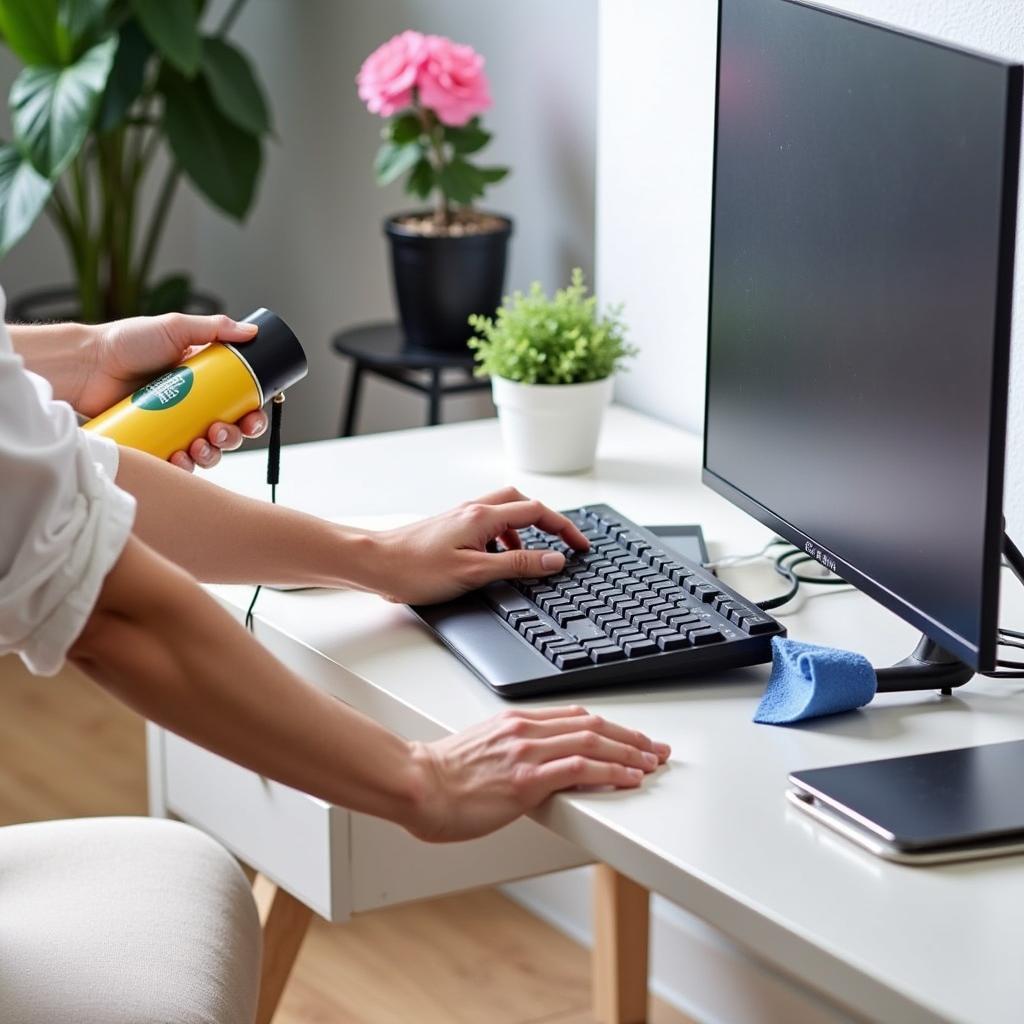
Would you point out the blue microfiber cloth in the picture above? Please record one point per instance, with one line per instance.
(808, 681)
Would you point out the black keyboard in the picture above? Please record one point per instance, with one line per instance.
(627, 610)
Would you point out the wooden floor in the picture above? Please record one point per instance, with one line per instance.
(68, 750)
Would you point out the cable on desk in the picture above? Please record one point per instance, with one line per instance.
(273, 475)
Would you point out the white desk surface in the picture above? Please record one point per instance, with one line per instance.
(711, 831)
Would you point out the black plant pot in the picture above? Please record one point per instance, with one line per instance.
(60, 305)
(440, 280)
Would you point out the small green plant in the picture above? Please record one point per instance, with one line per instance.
(534, 339)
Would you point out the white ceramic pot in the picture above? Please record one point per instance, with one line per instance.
(551, 428)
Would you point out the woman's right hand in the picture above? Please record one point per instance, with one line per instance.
(480, 779)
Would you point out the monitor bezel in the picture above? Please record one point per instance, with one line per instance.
(982, 655)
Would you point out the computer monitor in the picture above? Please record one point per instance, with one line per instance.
(864, 220)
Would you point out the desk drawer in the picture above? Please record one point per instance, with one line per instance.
(297, 841)
(334, 861)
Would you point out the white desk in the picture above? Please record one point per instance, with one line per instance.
(712, 832)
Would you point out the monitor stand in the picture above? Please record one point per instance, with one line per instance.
(932, 668)
(928, 668)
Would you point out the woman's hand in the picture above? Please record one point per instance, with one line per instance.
(488, 775)
(128, 353)
(443, 557)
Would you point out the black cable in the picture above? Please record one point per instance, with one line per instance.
(273, 475)
(786, 571)
(785, 565)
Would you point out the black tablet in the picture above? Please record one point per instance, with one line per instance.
(952, 798)
(687, 540)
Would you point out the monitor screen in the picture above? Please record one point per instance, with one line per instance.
(861, 276)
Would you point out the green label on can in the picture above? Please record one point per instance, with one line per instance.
(166, 390)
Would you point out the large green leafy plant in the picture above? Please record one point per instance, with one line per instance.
(106, 85)
(564, 339)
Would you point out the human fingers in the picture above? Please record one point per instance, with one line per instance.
(500, 496)
(187, 329)
(529, 512)
(225, 436)
(576, 771)
(204, 454)
(515, 564)
(593, 746)
(511, 540)
(540, 714)
(254, 423)
(182, 461)
(555, 726)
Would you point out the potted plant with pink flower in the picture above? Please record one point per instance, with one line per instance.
(448, 262)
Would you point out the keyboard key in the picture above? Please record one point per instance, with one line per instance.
(646, 622)
(636, 648)
(704, 636)
(706, 593)
(584, 629)
(602, 655)
(572, 659)
(505, 600)
(538, 629)
(567, 616)
(673, 641)
(757, 624)
(660, 607)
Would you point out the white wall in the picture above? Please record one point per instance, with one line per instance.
(655, 125)
(313, 247)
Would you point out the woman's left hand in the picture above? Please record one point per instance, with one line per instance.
(445, 556)
(126, 354)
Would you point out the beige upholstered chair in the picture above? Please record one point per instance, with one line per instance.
(124, 921)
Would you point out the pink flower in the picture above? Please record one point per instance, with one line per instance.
(452, 82)
(388, 76)
(449, 76)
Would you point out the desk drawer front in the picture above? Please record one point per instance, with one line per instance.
(297, 841)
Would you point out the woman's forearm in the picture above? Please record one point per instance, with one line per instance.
(162, 645)
(62, 353)
(223, 537)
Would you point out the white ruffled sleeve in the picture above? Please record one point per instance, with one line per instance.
(63, 520)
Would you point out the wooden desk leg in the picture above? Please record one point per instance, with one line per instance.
(284, 920)
(619, 959)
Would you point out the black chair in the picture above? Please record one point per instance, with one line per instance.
(381, 349)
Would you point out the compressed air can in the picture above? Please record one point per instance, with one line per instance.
(223, 382)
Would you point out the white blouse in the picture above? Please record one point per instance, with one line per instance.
(63, 521)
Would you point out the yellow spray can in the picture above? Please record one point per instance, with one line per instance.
(223, 382)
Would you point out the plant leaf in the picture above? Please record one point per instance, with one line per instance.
(222, 160)
(493, 174)
(234, 86)
(468, 138)
(173, 28)
(76, 24)
(461, 181)
(169, 295)
(423, 180)
(403, 129)
(393, 161)
(23, 194)
(126, 76)
(52, 108)
(29, 28)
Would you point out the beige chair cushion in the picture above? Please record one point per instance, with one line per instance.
(124, 921)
